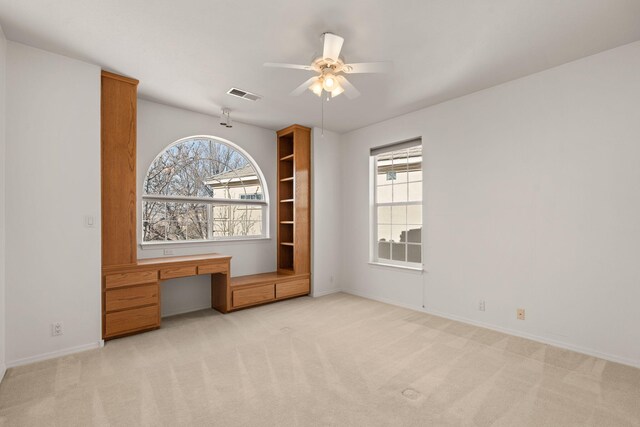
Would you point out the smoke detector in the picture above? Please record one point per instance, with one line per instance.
(225, 118)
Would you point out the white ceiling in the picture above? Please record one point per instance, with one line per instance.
(188, 53)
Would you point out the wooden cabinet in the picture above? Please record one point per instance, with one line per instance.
(172, 273)
(118, 160)
(129, 321)
(294, 200)
(291, 289)
(266, 287)
(136, 296)
(254, 295)
(294, 233)
(130, 287)
(117, 280)
(130, 302)
(131, 292)
(211, 268)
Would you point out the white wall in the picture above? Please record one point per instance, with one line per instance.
(531, 200)
(160, 125)
(326, 219)
(52, 182)
(3, 145)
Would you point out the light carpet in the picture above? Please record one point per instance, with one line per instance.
(337, 360)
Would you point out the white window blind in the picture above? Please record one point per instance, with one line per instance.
(397, 203)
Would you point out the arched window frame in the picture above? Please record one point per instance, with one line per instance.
(211, 202)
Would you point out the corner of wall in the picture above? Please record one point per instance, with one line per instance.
(3, 76)
(326, 220)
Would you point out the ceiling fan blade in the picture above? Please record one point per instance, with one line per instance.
(294, 66)
(304, 86)
(368, 67)
(332, 46)
(349, 90)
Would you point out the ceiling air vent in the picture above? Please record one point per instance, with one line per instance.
(243, 94)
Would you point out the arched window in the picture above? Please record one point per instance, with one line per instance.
(203, 188)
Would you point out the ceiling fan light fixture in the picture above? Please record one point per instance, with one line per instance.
(337, 90)
(331, 69)
(316, 87)
(329, 82)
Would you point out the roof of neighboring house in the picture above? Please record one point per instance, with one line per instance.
(242, 176)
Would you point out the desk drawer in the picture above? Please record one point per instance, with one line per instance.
(289, 289)
(171, 273)
(132, 320)
(119, 280)
(212, 268)
(251, 296)
(136, 296)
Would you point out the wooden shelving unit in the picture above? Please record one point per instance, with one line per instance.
(130, 287)
(294, 200)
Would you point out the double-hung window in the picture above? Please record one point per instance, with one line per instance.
(204, 188)
(397, 204)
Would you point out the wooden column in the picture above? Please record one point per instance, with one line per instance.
(118, 127)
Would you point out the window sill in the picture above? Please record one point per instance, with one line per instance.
(162, 245)
(418, 270)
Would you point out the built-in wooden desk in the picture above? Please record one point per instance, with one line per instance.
(131, 292)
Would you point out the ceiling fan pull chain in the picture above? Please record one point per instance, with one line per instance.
(322, 108)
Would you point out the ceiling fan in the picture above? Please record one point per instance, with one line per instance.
(331, 68)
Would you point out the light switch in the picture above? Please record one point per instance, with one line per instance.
(89, 221)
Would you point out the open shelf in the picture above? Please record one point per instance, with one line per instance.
(285, 234)
(285, 258)
(285, 170)
(294, 161)
(285, 146)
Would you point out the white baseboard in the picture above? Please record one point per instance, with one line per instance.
(508, 331)
(3, 370)
(325, 292)
(54, 354)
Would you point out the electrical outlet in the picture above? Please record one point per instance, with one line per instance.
(57, 329)
(481, 305)
(520, 314)
(331, 279)
(168, 251)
